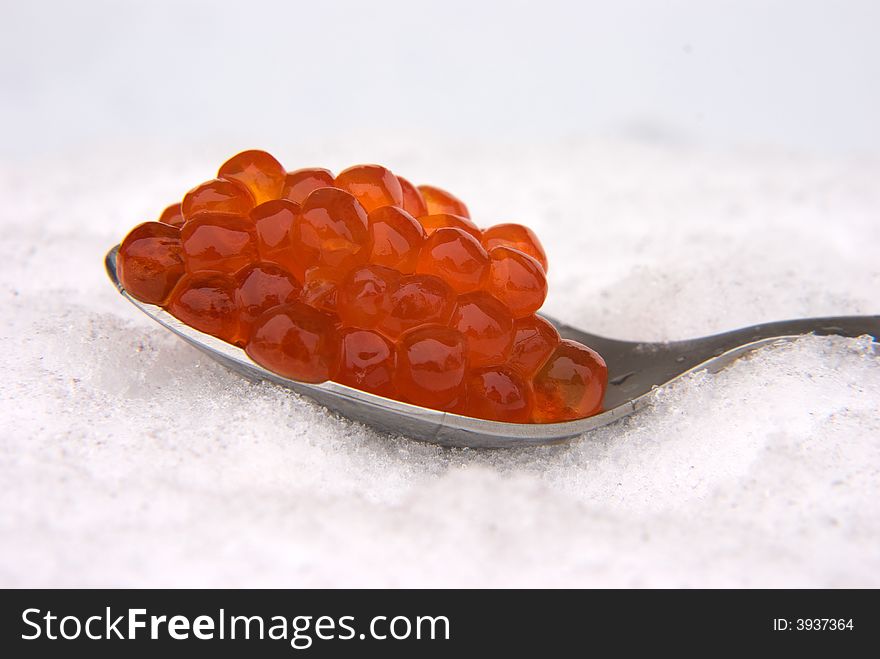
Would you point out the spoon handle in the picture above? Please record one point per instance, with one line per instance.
(709, 347)
(634, 368)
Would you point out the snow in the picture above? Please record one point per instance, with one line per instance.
(129, 459)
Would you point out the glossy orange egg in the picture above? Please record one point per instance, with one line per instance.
(441, 201)
(218, 242)
(332, 230)
(431, 366)
(367, 362)
(257, 171)
(518, 237)
(430, 223)
(206, 301)
(487, 325)
(299, 184)
(150, 262)
(172, 216)
(456, 257)
(395, 238)
(517, 280)
(364, 296)
(217, 196)
(262, 286)
(321, 288)
(297, 342)
(274, 225)
(498, 393)
(413, 202)
(373, 186)
(534, 340)
(417, 300)
(570, 385)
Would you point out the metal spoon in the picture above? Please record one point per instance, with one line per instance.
(635, 370)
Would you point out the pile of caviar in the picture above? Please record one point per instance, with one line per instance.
(367, 280)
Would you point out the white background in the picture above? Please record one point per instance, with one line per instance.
(801, 74)
(690, 166)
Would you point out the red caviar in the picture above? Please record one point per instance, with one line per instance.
(296, 341)
(498, 393)
(321, 288)
(219, 196)
(455, 257)
(517, 280)
(372, 185)
(172, 216)
(440, 201)
(331, 230)
(299, 184)
(431, 223)
(413, 201)
(150, 261)
(570, 385)
(367, 361)
(431, 366)
(260, 173)
(274, 224)
(534, 339)
(363, 297)
(518, 237)
(206, 301)
(417, 300)
(262, 286)
(488, 326)
(395, 237)
(368, 280)
(219, 242)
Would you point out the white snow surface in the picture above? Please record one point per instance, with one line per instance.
(129, 459)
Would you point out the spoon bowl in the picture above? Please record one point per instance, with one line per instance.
(635, 370)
